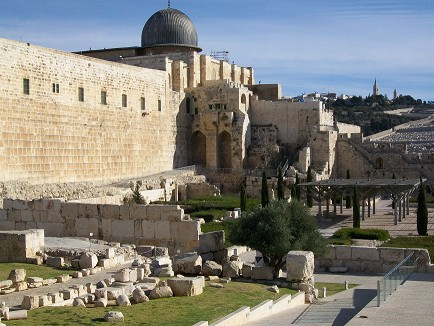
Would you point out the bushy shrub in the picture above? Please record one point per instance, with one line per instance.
(355, 233)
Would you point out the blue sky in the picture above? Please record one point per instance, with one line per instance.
(306, 45)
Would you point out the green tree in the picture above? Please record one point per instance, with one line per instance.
(137, 196)
(422, 211)
(356, 209)
(297, 187)
(243, 197)
(280, 185)
(348, 198)
(277, 229)
(309, 196)
(265, 197)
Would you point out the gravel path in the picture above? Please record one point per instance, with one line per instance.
(15, 299)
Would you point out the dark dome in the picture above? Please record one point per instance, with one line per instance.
(169, 27)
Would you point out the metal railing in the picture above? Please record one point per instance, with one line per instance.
(396, 277)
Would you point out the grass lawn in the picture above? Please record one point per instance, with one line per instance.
(413, 242)
(32, 270)
(179, 311)
(215, 226)
(332, 288)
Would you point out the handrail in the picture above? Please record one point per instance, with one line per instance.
(390, 282)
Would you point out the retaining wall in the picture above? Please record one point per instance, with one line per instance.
(371, 259)
(158, 225)
(17, 246)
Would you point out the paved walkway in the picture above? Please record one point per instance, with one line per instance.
(334, 310)
(15, 299)
(411, 304)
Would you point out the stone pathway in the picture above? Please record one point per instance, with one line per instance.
(15, 299)
(334, 310)
(411, 304)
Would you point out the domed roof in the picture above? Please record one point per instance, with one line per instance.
(169, 27)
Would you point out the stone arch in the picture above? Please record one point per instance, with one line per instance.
(225, 150)
(199, 148)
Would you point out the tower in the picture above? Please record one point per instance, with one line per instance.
(376, 90)
(395, 94)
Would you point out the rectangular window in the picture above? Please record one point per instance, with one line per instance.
(26, 86)
(103, 97)
(54, 88)
(210, 106)
(142, 103)
(57, 88)
(124, 101)
(217, 106)
(81, 94)
(159, 105)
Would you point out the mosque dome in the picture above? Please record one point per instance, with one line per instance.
(170, 28)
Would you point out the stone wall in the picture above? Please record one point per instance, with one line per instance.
(159, 225)
(295, 121)
(48, 136)
(370, 259)
(17, 246)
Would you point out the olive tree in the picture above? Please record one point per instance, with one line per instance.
(278, 228)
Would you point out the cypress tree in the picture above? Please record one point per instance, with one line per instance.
(422, 211)
(280, 185)
(348, 198)
(297, 187)
(309, 197)
(265, 198)
(243, 197)
(356, 210)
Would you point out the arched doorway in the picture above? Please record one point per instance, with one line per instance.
(243, 102)
(199, 148)
(225, 150)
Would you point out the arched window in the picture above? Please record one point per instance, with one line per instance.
(243, 99)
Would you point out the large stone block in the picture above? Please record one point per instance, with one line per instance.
(122, 229)
(30, 302)
(85, 226)
(110, 211)
(186, 286)
(211, 241)
(148, 229)
(262, 273)
(343, 252)
(369, 266)
(88, 260)
(162, 230)
(188, 230)
(17, 275)
(51, 229)
(69, 210)
(56, 262)
(231, 269)
(299, 265)
(365, 253)
(392, 255)
(189, 265)
(153, 212)
(211, 268)
(138, 212)
(171, 213)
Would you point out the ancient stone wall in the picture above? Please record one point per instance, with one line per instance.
(17, 246)
(158, 225)
(63, 132)
(371, 259)
(295, 121)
